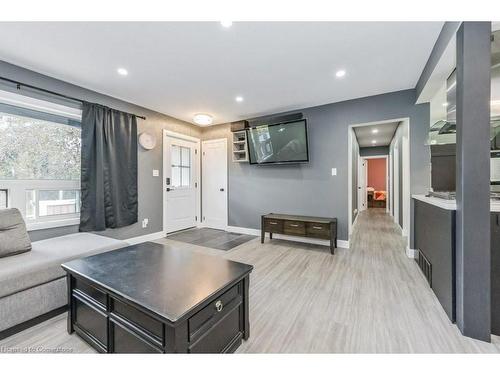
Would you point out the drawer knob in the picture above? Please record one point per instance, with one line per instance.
(273, 223)
(294, 225)
(317, 228)
(219, 305)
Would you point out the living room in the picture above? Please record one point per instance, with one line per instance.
(161, 195)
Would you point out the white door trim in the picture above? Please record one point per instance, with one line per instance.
(226, 187)
(197, 160)
(362, 183)
(349, 172)
(181, 136)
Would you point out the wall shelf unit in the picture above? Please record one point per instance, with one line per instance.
(240, 150)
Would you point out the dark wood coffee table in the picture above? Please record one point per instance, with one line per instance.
(152, 298)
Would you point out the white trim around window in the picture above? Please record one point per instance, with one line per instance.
(16, 198)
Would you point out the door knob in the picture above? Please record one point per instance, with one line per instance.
(221, 189)
(168, 189)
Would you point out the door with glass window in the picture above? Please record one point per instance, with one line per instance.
(180, 173)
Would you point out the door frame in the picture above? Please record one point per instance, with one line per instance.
(197, 164)
(386, 157)
(362, 192)
(226, 189)
(350, 134)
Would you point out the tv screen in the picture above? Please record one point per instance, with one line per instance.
(278, 143)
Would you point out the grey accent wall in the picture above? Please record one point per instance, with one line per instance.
(150, 188)
(310, 189)
(374, 151)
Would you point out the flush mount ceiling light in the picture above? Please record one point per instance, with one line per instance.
(202, 119)
(239, 99)
(226, 24)
(375, 131)
(122, 71)
(340, 73)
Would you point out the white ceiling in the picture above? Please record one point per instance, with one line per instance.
(383, 137)
(181, 69)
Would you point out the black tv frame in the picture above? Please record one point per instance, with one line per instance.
(279, 162)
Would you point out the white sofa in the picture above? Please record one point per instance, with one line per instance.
(33, 284)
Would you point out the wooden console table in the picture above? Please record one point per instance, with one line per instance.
(304, 226)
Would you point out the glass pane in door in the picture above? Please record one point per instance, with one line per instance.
(181, 166)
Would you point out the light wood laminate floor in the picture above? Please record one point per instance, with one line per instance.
(368, 299)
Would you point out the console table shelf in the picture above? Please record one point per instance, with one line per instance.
(303, 226)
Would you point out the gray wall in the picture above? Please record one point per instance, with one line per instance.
(310, 188)
(374, 151)
(150, 188)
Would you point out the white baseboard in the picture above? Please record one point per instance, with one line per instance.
(256, 232)
(146, 237)
(411, 253)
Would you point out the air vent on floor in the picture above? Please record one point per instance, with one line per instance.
(425, 266)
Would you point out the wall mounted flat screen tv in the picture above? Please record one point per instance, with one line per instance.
(282, 143)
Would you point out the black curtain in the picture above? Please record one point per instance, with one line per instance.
(109, 168)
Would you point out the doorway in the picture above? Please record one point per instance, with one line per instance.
(214, 184)
(181, 196)
(388, 140)
(376, 172)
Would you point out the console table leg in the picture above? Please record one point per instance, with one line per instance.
(270, 236)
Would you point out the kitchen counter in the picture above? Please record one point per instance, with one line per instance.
(451, 204)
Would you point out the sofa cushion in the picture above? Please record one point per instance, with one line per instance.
(43, 263)
(14, 238)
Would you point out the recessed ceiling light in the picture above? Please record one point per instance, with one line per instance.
(226, 23)
(445, 104)
(340, 73)
(239, 99)
(375, 131)
(122, 71)
(202, 119)
(374, 141)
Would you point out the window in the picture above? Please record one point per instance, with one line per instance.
(40, 162)
(181, 166)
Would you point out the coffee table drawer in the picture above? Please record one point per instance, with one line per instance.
(321, 230)
(138, 318)
(221, 336)
(294, 227)
(273, 225)
(91, 321)
(91, 292)
(127, 341)
(209, 315)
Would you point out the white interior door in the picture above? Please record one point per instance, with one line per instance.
(181, 183)
(362, 204)
(214, 182)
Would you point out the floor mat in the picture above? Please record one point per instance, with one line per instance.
(213, 238)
